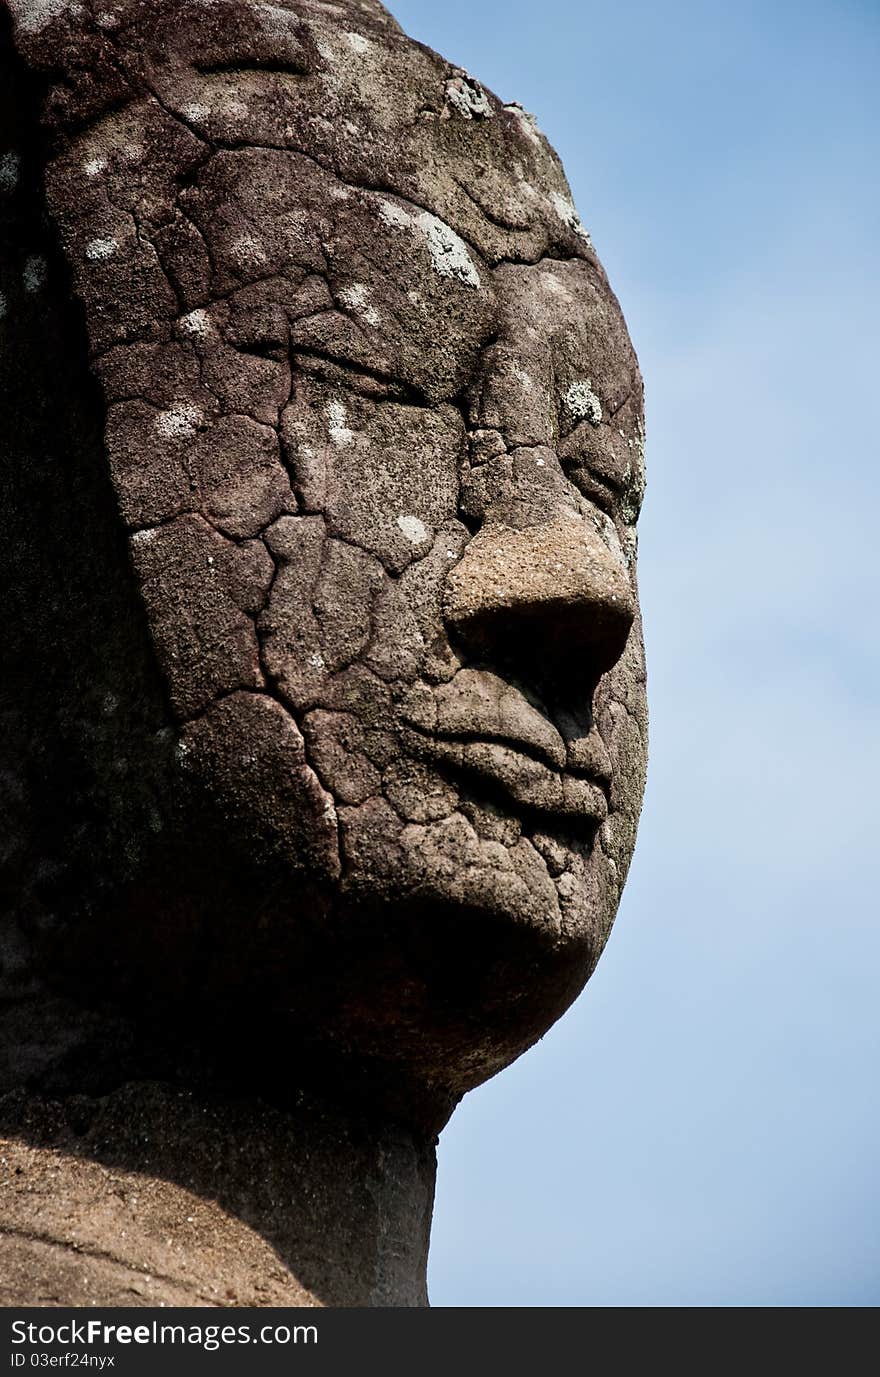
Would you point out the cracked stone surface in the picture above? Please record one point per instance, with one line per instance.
(349, 664)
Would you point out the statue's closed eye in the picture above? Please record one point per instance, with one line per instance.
(606, 493)
(597, 460)
(263, 38)
(293, 63)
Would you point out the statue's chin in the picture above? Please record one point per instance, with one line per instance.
(406, 995)
(435, 994)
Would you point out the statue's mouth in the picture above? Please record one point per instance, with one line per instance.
(514, 773)
(482, 727)
(532, 786)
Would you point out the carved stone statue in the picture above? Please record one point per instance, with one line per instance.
(325, 725)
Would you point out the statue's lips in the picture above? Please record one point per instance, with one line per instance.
(480, 725)
(531, 784)
(528, 782)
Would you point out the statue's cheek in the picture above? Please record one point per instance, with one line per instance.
(384, 475)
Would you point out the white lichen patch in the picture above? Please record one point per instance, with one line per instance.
(467, 97)
(248, 252)
(357, 42)
(448, 252)
(180, 421)
(93, 167)
(392, 214)
(33, 15)
(338, 429)
(316, 661)
(228, 105)
(357, 299)
(524, 380)
(195, 112)
(144, 537)
(567, 212)
(99, 249)
(414, 529)
(551, 283)
(34, 273)
(527, 122)
(275, 19)
(582, 403)
(2, 305)
(10, 170)
(197, 323)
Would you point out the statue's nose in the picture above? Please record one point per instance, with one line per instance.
(555, 594)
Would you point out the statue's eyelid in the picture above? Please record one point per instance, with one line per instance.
(254, 47)
(235, 66)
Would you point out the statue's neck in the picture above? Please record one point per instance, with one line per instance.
(151, 1195)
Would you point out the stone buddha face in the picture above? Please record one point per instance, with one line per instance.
(374, 427)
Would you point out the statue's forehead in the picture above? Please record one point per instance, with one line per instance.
(252, 142)
(341, 83)
(35, 15)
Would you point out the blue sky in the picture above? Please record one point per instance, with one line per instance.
(703, 1127)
